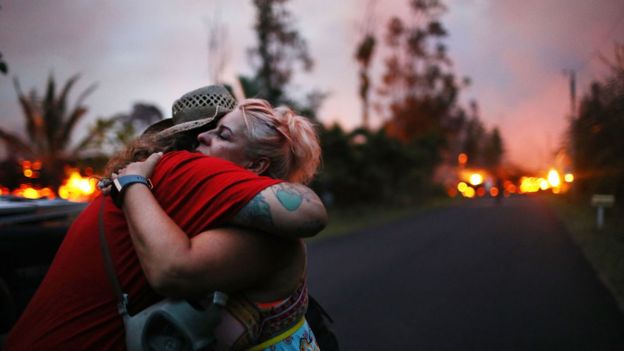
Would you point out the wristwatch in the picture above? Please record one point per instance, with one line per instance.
(120, 184)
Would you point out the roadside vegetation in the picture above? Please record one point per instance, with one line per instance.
(604, 248)
(343, 221)
(595, 139)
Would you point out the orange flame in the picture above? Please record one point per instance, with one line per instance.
(30, 192)
(77, 187)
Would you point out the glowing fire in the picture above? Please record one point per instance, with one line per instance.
(553, 178)
(480, 183)
(74, 187)
(30, 192)
(77, 187)
(552, 181)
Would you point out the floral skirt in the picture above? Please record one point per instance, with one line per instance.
(298, 338)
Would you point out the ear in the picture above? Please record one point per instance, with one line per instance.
(259, 166)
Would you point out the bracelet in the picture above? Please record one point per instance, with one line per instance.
(122, 183)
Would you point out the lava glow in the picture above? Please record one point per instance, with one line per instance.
(74, 187)
(30, 192)
(553, 178)
(476, 179)
(77, 187)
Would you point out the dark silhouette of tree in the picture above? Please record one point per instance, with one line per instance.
(364, 55)
(493, 149)
(474, 134)
(4, 68)
(421, 89)
(596, 134)
(49, 123)
(353, 161)
(484, 148)
(279, 48)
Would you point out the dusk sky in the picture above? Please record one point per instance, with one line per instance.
(154, 51)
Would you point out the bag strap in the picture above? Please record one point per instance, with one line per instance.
(122, 303)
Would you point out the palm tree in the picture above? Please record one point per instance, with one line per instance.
(49, 125)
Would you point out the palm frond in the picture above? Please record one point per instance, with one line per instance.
(62, 98)
(48, 100)
(27, 107)
(85, 93)
(51, 116)
(67, 128)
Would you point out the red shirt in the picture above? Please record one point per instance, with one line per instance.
(75, 305)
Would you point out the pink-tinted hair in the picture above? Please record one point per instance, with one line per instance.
(289, 141)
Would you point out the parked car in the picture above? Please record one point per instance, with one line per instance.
(31, 232)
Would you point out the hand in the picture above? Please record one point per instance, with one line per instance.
(106, 184)
(142, 168)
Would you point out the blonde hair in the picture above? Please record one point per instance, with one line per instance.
(288, 140)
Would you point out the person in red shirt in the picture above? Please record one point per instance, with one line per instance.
(75, 305)
(264, 275)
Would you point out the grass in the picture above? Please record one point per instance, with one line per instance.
(345, 221)
(603, 248)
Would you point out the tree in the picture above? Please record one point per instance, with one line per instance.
(596, 133)
(418, 88)
(353, 161)
(484, 148)
(279, 49)
(421, 90)
(364, 54)
(49, 123)
(493, 150)
(4, 68)
(474, 134)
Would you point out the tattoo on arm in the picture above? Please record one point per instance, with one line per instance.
(263, 212)
(289, 196)
(257, 211)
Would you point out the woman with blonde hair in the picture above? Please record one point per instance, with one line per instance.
(187, 231)
(265, 275)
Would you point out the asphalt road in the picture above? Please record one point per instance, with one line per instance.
(472, 277)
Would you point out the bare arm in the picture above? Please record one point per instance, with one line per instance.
(227, 259)
(286, 209)
(221, 259)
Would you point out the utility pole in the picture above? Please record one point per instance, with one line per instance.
(572, 76)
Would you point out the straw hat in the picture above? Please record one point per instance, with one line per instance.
(195, 109)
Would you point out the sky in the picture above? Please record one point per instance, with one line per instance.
(153, 51)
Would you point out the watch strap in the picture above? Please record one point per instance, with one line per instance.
(120, 184)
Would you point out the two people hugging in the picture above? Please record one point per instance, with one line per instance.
(227, 212)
